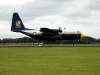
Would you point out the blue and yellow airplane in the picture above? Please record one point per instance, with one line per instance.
(45, 33)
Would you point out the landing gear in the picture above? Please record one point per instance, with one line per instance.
(78, 40)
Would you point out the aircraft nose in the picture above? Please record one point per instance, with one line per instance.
(83, 36)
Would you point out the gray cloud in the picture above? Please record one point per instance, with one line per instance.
(33, 9)
(94, 5)
(57, 0)
(7, 11)
(41, 8)
(78, 14)
(74, 14)
(4, 13)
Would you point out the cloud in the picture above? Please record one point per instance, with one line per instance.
(13, 2)
(72, 14)
(78, 14)
(76, 9)
(94, 5)
(56, 0)
(40, 8)
(32, 9)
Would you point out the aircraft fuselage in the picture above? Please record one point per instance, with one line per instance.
(62, 36)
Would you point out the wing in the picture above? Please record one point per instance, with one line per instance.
(47, 31)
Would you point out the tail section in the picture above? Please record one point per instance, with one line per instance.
(17, 24)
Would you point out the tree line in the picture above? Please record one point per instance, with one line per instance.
(87, 40)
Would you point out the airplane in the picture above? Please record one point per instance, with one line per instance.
(45, 33)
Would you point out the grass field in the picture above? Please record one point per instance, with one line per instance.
(50, 61)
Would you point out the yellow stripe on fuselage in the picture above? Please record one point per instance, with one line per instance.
(71, 33)
(64, 33)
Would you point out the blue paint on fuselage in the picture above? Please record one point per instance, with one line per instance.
(53, 37)
(57, 37)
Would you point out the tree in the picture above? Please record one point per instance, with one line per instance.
(87, 40)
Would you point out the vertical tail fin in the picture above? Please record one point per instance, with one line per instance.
(17, 24)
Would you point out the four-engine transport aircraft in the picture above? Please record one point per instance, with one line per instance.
(45, 33)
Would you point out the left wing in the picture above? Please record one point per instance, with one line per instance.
(47, 31)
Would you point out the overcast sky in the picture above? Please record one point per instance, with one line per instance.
(82, 15)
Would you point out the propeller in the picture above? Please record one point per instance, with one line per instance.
(60, 29)
(64, 28)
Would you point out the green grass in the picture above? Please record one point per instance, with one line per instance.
(50, 61)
